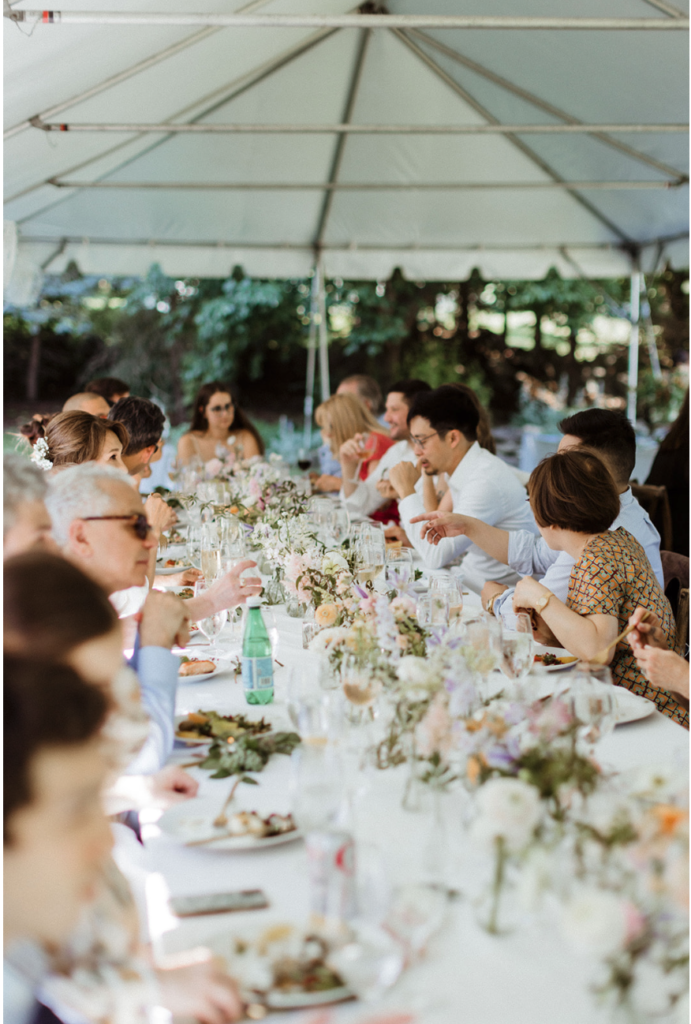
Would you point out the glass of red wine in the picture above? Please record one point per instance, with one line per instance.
(304, 459)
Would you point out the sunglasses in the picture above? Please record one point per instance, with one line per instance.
(139, 522)
(221, 408)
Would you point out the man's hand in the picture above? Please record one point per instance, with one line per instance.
(403, 478)
(200, 990)
(648, 633)
(226, 592)
(163, 621)
(186, 578)
(397, 533)
(160, 515)
(491, 589)
(386, 490)
(172, 785)
(443, 524)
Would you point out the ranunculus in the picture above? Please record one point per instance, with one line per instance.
(509, 809)
(403, 642)
(326, 614)
(595, 921)
(403, 608)
(213, 467)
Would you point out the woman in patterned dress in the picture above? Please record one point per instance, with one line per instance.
(574, 501)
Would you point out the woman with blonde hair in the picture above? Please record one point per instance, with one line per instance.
(71, 438)
(356, 439)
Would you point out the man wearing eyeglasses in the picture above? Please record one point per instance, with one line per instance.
(99, 524)
(443, 426)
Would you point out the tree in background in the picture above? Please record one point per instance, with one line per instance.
(165, 336)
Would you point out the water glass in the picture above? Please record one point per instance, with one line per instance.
(370, 961)
(433, 609)
(339, 525)
(399, 569)
(194, 545)
(318, 787)
(592, 701)
(305, 704)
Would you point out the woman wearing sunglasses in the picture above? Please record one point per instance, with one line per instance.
(218, 426)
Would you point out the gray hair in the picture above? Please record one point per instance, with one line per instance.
(79, 491)
(21, 481)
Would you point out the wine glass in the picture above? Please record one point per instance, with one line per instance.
(194, 545)
(304, 459)
(340, 525)
(367, 446)
(517, 650)
(305, 704)
(591, 700)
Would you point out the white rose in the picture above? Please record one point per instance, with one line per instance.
(333, 562)
(594, 921)
(413, 671)
(508, 809)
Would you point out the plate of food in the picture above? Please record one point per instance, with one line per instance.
(192, 824)
(630, 707)
(168, 566)
(282, 967)
(197, 668)
(205, 726)
(554, 659)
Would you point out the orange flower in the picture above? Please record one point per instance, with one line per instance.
(326, 615)
(472, 769)
(668, 818)
(472, 725)
(234, 510)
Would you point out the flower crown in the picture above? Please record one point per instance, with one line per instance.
(39, 454)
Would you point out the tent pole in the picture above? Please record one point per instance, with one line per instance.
(323, 335)
(311, 360)
(633, 344)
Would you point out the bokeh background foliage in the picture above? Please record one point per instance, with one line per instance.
(526, 346)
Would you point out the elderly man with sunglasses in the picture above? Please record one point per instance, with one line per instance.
(99, 524)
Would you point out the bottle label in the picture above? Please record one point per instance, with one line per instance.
(257, 673)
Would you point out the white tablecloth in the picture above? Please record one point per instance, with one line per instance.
(529, 977)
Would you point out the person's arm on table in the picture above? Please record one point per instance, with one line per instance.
(440, 525)
(582, 635)
(530, 555)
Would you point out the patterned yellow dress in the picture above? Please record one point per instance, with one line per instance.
(613, 577)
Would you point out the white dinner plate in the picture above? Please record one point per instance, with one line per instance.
(171, 569)
(558, 652)
(200, 678)
(202, 741)
(306, 1000)
(631, 707)
(192, 820)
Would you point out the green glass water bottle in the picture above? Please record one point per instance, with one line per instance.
(257, 662)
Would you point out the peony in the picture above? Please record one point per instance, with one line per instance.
(509, 809)
(414, 672)
(327, 639)
(595, 921)
(326, 614)
(213, 467)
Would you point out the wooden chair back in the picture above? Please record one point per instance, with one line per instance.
(655, 501)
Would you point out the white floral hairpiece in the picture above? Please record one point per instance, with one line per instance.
(40, 454)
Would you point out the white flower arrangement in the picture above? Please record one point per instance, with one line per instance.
(39, 455)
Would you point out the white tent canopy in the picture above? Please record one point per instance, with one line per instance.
(201, 143)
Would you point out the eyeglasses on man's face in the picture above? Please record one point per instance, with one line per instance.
(420, 442)
(140, 524)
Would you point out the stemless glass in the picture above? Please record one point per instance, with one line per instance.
(399, 569)
(433, 609)
(517, 650)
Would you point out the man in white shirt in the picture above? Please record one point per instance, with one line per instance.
(611, 437)
(443, 426)
(367, 496)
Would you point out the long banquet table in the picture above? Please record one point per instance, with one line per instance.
(528, 977)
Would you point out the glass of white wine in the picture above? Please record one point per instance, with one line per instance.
(212, 625)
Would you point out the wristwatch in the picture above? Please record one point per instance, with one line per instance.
(542, 603)
(490, 604)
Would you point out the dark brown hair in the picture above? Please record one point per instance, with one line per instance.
(143, 421)
(574, 490)
(678, 434)
(51, 606)
(45, 706)
(240, 419)
(608, 432)
(108, 387)
(368, 390)
(74, 437)
(483, 429)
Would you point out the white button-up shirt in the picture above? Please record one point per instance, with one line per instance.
(531, 556)
(366, 499)
(484, 487)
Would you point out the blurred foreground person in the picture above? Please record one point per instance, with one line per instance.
(56, 837)
(26, 522)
